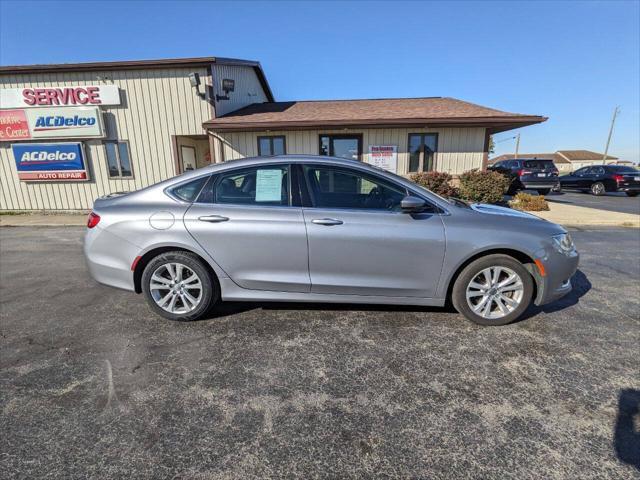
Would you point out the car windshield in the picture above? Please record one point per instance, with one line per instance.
(539, 164)
(624, 169)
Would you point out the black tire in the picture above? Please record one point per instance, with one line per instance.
(543, 191)
(210, 287)
(459, 298)
(632, 194)
(598, 189)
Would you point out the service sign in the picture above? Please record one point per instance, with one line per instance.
(85, 95)
(50, 161)
(384, 156)
(13, 125)
(79, 122)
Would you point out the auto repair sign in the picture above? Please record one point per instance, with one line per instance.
(50, 161)
(66, 122)
(83, 95)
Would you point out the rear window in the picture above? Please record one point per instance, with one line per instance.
(190, 190)
(540, 164)
(624, 169)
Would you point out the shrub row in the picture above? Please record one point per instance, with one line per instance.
(475, 185)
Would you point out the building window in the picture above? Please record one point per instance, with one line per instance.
(269, 146)
(422, 149)
(342, 146)
(118, 159)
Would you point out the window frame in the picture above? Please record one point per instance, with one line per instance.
(422, 151)
(217, 178)
(271, 138)
(118, 159)
(331, 136)
(309, 193)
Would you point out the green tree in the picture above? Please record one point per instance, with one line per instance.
(492, 145)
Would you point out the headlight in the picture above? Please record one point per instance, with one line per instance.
(563, 243)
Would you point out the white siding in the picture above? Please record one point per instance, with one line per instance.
(459, 149)
(156, 104)
(247, 88)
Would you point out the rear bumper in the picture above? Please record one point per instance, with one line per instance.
(628, 188)
(533, 184)
(109, 258)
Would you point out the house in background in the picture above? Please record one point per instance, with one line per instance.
(566, 160)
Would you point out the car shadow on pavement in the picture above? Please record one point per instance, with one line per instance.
(626, 440)
(232, 308)
(581, 285)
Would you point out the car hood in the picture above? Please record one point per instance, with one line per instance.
(496, 210)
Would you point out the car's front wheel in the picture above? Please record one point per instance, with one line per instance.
(178, 286)
(493, 290)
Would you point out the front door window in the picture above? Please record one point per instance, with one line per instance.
(342, 146)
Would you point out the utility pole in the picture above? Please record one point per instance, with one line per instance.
(613, 121)
(517, 145)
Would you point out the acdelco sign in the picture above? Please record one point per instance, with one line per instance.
(59, 96)
(50, 161)
(68, 122)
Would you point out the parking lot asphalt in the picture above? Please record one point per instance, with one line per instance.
(612, 201)
(93, 385)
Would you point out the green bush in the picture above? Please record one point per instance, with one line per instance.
(530, 203)
(483, 186)
(437, 182)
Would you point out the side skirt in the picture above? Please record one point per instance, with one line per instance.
(232, 292)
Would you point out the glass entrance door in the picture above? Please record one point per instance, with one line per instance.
(342, 146)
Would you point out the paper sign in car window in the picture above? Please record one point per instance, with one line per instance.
(269, 185)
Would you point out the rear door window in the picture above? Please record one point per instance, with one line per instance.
(266, 185)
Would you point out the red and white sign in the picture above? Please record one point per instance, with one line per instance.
(84, 95)
(43, 176)
(384, 156)
(13, 125)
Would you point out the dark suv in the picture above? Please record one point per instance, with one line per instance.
(599, 179)
(529, 174)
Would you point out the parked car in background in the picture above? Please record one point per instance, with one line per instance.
(529, 174)
(322, 229)
(599, 179)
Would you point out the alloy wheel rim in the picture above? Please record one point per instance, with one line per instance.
(495, 292)
(176, 288)
(598, 188)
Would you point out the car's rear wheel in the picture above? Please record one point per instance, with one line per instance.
(178, 286)
(632, 194)
(543, 191)
(493, 290)
(598, 189)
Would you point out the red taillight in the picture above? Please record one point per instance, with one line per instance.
(93, 220)
(524, 172)
(618, 178)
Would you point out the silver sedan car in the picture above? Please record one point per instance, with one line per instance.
(320, 229)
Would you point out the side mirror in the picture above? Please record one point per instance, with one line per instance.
(411, 204)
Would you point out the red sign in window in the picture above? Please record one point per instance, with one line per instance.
(13, 125)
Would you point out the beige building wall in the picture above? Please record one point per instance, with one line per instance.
(156, 104)
(459, 149)
(247, 88)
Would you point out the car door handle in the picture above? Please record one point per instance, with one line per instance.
(327, 221)
(213, 218)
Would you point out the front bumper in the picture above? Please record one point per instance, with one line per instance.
(559, 268)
